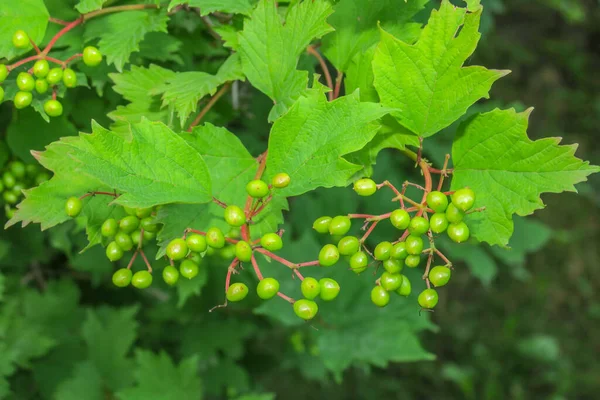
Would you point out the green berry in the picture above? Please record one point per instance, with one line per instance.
(393, 266)
(170, 275)
(215, 238)
(114, 252)
(41, 86)
(143, 212)
(135, 237)
(437, 201)
(380, 297)
(69, 78)
(365, 187)
(321, 224)
(148, 225)
(41, 68)
(329, 289)
(428, 298)
(281, 180)
(405, 287)
(439, 275)
(234, 216)
(41, 178)
(227, 252)
(399, 251)
(340, 225)
(129, 210)
(237, 292)
(124, 241)
(414, 245)
(463, 199)
(17, 168)
(25, 82)
(9, 180)
(54, 76)
(122, 277)
(306, 309)
(348, 245)
(10, 197)
(412, 261)
(243, 251)
(53, 108)
(109, 228)
(390, 282)
(91, 56)
(73, 206)
(310, 288)
(148, 236)
(458, 232)
(359, 262)
(382, 251)
(3, 72)
(271, 242)
(129, 223)
(257, 189)
(22, 100)
(418, 226)
(400, 219)
(196, 243)
(453, 214)
(20, 39)
(188, 268)
(329, 255)
(31, 170)
(141, 279)
(438, 222)
(267, 288)
(177, 249)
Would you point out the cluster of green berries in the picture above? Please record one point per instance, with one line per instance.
(44, 77)
(17, 176)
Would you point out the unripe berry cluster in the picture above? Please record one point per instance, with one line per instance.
(15, 177)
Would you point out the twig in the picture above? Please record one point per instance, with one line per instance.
(311, 50)
(209, 105)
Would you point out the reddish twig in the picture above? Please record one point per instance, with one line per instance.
(62, 32)
(311, 50)
(308, 264)
(275, 257)
(256, 268)
(145, 260)
(35, 47)
(367, 233)
(58, 21)
(132, 260)
(209, 105)
(338, 84)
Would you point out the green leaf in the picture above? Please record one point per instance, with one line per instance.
(85, 383)
(162, 47)
(262, 396)
(355, 23)
(493, 155)
(473, 5)
(121, 33)
(86, 6)
(481, 264)
(210, 6)
(308, 142)
(529, 235)
(270, 50)
(187, 288)
(158, 378)
(2, 287)
(359, 75)
(230, 36)
(426, 81)
(30, 16)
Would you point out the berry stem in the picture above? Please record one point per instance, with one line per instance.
(141, 239)
(308, 264)
(365, 216)
(443, 257)
(426, 273)
(132, 260)
(338, 84)
(219, 202)
(286, 298)
(108, 10)
(275, 257)
(389, 184)
(443, 173)
(369, 231)
(298, 274)
(480, 209)
(262, 163)
(95, 193)
(58, 21)
(145, 260)
(311, 50)
(62, 32)
(209, 105)
(256, 268)
(72, 58)
(35, 46)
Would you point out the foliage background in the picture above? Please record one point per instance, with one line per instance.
(523, 324)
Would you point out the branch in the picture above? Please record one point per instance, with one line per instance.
(209, 105)
(311, 50)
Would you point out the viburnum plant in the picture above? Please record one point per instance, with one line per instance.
(159, 174)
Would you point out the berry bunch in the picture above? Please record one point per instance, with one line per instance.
(41, 77)
(17, 176)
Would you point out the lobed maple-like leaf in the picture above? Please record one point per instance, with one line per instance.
(30, 16)
(209, 6)
(86, 6)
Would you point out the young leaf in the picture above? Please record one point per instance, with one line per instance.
(30, 16)
(86, 6)
(493, 155)
(426, 82)
(85, 382)
(210, 6)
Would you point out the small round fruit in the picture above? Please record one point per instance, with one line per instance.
(69, 78)
(329, 289)
(114, 252)
(463, 199)
(438, 222)
(390, 282)
(418, 226)
(340, 225)
(196, 243)
(170, 275)
(321, 224)
(414, 245)
(348, 245)
(20, 39)
(91, 56)
(1, 94)
(257, 189)
(122, 277)
(365, 187)
(329, 255)
(53, 108)
(129, 210)
(458, 232)
(453, 214)
(237, 292)
(3, 72)
(400, 219)
(359, 262)
(215, 238)
(73, 206)
(412, 261)
(382, 251)
(405, 288)
(428, 298)
(306, 309)
(227, 252)
(54, 76)
(439, 275)
(243, 251)
(9, 180)
(141, 279)
(17, 168)
(398, 251)
(22, 100)
(310, 288)
(10, 197)
(234, 216)
(124, 241)
(25, 82)
(41, 86)
(129, 223)
(437, 201)
(109, 228)
(148, 236)
(177, 249)
(188, 268)
(281, 180)
(148, 225)
(393, 266)
(41, 68)
(380, 297)
(135, 237)
(271, 242)
(143, 212)
(267, 288)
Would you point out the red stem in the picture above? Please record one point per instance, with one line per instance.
(209, 105)
(275, 257)
(132, 260)
(338, 84)
(58, 21)
(298, 274)
(286, 298)
(145, 260)
(367, 233)
(73, 57)
(308, 264)
(256, 269)
(311, 50)
(61, 33)
(36, 48)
